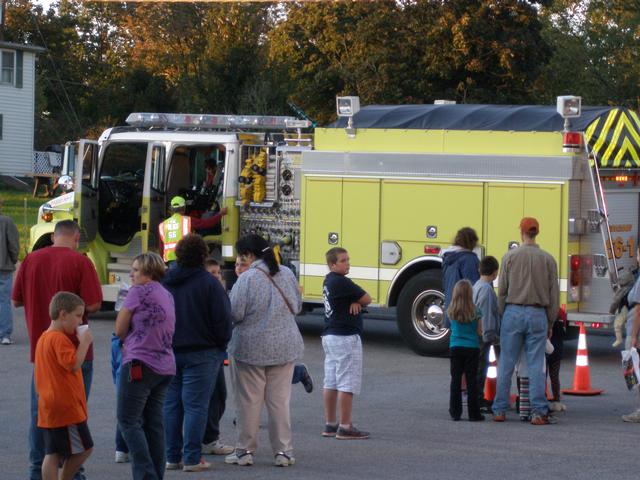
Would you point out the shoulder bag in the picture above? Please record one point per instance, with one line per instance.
(279, 291)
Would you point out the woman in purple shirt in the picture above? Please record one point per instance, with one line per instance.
(145, 324)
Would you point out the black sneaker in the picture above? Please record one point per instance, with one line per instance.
(330, 430)
(306, 380)
(351, 434)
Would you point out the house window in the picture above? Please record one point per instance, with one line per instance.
(7, 67)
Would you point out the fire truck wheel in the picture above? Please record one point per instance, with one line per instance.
(43, 241)
(420, 314)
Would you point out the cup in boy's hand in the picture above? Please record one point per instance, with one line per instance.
(84, 334)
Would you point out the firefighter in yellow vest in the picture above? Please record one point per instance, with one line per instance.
(178, 225)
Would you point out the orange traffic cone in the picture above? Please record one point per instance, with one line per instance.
(492, 375)
(581, 377)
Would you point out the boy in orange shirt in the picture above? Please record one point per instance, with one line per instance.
(62, 405)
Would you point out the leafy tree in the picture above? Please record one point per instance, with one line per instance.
(596, 51)
(476, 51)
(328, 49)
(410, 51)
(212, 56)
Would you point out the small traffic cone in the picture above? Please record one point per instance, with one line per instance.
(581, 377)
(492, 375)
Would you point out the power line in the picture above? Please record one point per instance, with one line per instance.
(57, 74)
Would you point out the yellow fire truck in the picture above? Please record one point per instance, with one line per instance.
(392, 184)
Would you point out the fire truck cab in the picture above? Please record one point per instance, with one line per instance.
(124, 181)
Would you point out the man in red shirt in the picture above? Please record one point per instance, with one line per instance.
(42, 274)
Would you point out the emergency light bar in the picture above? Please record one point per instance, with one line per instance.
(187, 120)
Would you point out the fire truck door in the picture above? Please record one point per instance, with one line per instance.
(322, 227)
(155, 191)
(361, 231)
(86, 188)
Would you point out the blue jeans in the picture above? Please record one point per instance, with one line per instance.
(187, 403)
(140, 420)
(217, 406)
(528, 327)
(6, 315)
(36, 442)
(121, 445)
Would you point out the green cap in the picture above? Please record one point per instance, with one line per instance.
(178, 202)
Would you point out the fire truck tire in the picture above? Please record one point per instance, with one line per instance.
(420, 314)
(43, 241)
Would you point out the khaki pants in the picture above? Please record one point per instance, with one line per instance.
(253, 387)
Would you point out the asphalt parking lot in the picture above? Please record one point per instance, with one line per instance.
(403, 404)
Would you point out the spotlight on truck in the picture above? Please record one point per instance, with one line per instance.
(569, 106)
(348, 107)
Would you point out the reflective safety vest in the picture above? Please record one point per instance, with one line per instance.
(172, 230)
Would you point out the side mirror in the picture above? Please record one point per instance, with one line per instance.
(66, 182)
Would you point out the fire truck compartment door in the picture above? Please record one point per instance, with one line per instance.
(86, 185)
(410, 207)
(361, 231)
(623, 208)
(341, 213)
(544, 202)
(508, 203)
(321, 227)
(504, 211)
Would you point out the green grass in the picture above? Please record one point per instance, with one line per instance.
(24, 217)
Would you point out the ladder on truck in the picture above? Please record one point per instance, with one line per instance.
(600, 218)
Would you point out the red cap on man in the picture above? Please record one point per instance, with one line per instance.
(529, 225)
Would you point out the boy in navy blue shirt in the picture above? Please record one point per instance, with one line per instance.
(343, 302)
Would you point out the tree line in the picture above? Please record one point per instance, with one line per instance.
(105, 60)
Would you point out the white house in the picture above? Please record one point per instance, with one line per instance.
(17, 104)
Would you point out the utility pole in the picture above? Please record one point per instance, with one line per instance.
(3, 5)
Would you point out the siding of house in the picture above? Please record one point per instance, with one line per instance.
(17, 110)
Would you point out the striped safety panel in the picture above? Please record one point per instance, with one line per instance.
(614, 139)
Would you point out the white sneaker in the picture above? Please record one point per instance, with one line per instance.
(217, 448)
(6, 341)
(557, 407)
(173, 466)
(239, 457)
(122, 457)
(632, 417)
(198, 467)
(284, 460)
